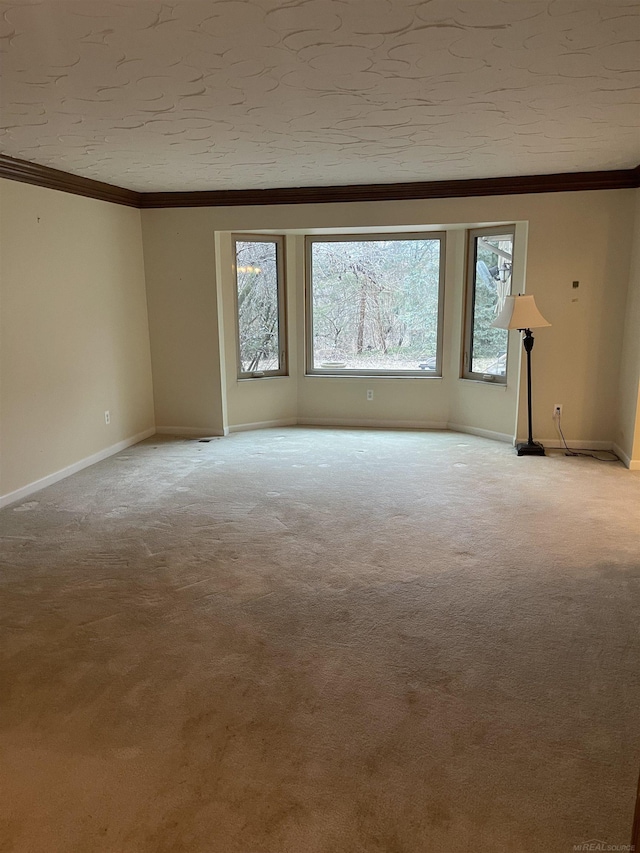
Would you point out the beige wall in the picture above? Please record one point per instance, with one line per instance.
(628, 436)
(584, 237)
(73, 331)
(571, 236)
(180, 265)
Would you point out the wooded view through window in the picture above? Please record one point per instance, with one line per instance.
(376, 304)
(260, 301)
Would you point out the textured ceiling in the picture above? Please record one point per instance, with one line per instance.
(256, 93)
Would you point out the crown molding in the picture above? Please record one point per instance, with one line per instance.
(55, 179)
(44, 176)
(567, 182)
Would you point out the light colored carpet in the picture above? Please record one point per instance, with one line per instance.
(316, 641)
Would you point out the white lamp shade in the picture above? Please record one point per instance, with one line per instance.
(520, 312)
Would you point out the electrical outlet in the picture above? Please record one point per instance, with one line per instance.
(107, 418)
(557, 410)
(369, 394)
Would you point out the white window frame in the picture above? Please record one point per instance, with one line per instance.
(311, 370)
(278, 240)
(467, 353)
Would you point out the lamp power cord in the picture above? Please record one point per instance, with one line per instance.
(591, 453)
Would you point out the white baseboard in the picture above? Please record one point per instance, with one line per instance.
(280, 422)
(483, 433)
(631, 464)
(574, 444)
(190, 432)
(579, 444)
(371, 423)
(50, 479)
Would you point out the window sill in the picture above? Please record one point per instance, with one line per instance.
(487, 383)
(264, 376)
(376, 376)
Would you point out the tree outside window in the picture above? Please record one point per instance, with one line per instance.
(375, 304)
(260, 306)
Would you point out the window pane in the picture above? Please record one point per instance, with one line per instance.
(492, 283)
(258, 314)
(375, 304)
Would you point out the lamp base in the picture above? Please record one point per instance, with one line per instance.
(526, 449)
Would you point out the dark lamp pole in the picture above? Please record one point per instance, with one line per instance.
(521, 312)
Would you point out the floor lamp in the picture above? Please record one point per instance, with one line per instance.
(521, 313)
